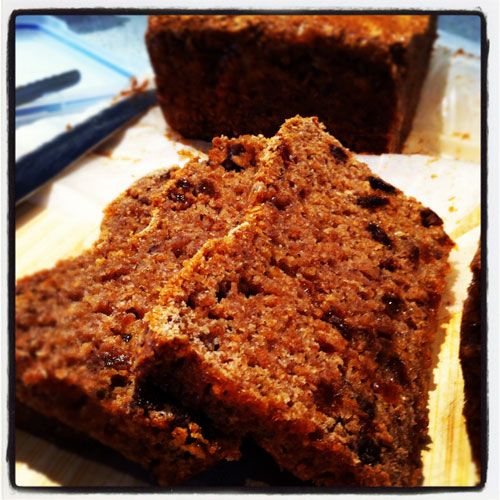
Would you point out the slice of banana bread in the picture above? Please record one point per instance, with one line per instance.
(227, 74)
(310, 325)
(77, 324)
(470, 359)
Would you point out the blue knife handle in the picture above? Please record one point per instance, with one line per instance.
(36, 168)
(34, 90)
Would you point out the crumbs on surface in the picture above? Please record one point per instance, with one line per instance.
(462, 52)
(135, 87)
(461, 135)
(109, 154)
(101, 152)
(187, 153)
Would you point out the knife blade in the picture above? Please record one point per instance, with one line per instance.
(36, 168)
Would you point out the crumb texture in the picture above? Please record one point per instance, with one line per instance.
(310, 325)
(77, 324)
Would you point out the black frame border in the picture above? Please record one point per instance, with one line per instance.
(10, 455)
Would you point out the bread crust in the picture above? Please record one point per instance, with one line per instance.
(361, 75)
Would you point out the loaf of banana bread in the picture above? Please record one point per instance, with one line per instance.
(470, 359)
(77, 324)
(237, 74)
(310, 325)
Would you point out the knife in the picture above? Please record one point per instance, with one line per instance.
(32, 91)
(36, 168)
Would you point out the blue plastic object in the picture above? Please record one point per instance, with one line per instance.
(45, 47)
(45, 144)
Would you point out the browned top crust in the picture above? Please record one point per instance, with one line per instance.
(361, 75)
(380, 30)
